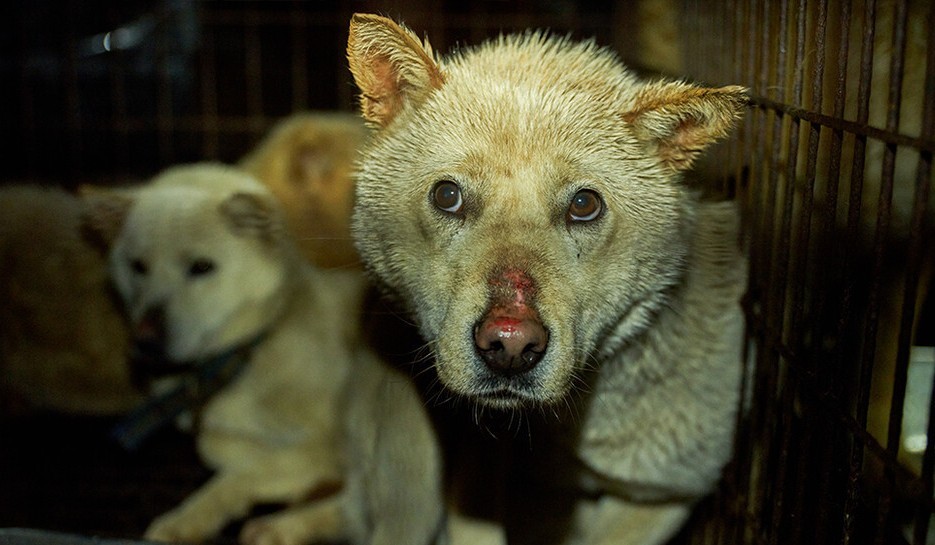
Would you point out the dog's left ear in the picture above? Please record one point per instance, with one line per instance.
(678, 120)
(391, 66)
(105, 212)
(251, 215)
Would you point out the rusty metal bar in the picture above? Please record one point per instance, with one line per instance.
(784, 252)
(886, 197)
(840, 124)
(853, 232)
(923, 188)
(803, 237)
(740, 482)
(761, 412)
(884, 208)
(773, 304)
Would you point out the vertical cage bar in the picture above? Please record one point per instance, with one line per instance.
(923, 189)
(775, 458)
(884, 208)
(802, 245)
(739, 489)
(886, 196)
(759, 63)
(853, 231)
(780, 277)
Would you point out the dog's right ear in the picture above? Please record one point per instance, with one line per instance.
(105, 211)
(248, 214)
(391, 66)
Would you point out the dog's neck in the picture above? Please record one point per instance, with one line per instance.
(676, 383)
(195, 382)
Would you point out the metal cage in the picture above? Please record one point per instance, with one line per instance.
(833, 165)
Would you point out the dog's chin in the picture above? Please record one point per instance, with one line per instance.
(511, 394)
(505, 398)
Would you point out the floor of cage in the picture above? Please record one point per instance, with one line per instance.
(65, 474)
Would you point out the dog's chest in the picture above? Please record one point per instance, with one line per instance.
(279, 402)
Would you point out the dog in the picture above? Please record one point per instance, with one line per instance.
(306, 161)
(522, 200)
(291, 407)
(63, 338)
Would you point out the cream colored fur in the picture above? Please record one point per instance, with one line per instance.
(288, 428)
(306, 161)
(633, 403)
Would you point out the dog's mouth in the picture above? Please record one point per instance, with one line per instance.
(502, 393)
(151, 359)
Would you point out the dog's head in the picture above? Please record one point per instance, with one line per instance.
(197, 257)
(524, 199)
(306, 162)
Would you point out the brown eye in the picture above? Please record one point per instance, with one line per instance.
(446, 196)
(586, 205)
(200, 267)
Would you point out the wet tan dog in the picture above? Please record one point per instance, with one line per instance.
(523, 199)
(306, 161)
(212, 280)
(63, 340)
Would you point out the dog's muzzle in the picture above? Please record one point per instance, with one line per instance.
(510, 338)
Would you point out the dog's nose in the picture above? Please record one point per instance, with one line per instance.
(510, 345)
(150, 333)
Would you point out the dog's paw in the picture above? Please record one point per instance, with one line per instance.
(304, 523)
(181, 527)
(266, 531)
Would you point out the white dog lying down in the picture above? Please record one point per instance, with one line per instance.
(290, 404)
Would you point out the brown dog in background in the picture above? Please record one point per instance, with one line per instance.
(306, 160)
(63, 341)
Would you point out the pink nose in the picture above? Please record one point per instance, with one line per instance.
(510, 345)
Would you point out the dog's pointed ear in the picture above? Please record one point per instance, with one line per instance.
(678, 120)
(391, 66)
(104, 214)
(251, 215)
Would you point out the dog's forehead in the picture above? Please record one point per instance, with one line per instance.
(546, 101)
(168, 217)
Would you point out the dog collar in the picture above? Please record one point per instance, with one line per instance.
(198, 381)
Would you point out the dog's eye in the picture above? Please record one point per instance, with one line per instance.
(200, 267)
(138, 266)
(446, 196)
(586, 205)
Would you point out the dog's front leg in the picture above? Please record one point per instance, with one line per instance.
(203, 514)
(310, 522)
(613, 521)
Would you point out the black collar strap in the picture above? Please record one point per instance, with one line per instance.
(198, 381)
